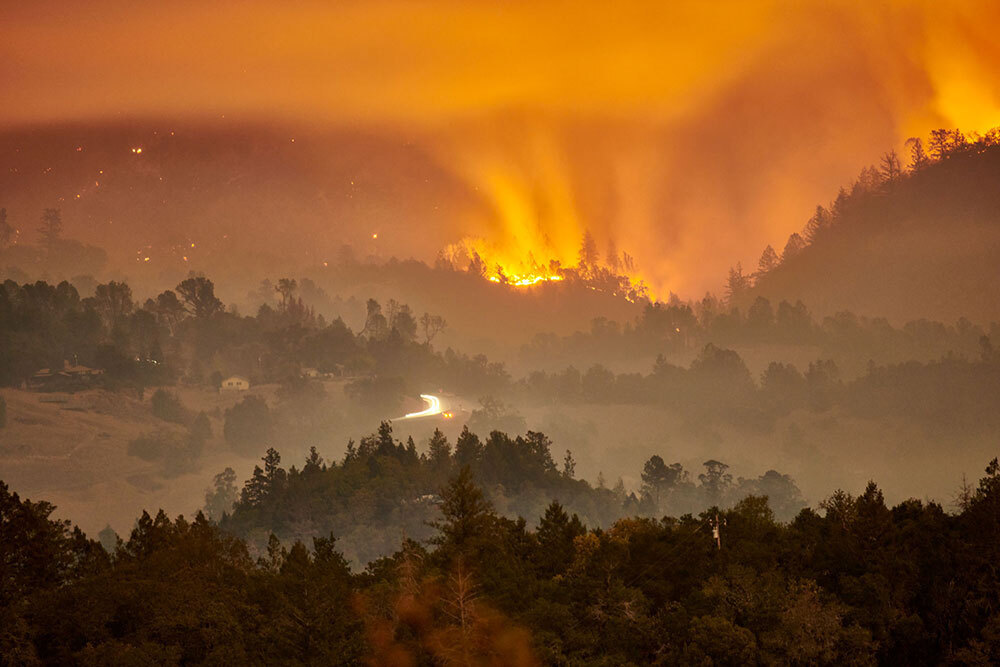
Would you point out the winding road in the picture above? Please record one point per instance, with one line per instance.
(433, 407)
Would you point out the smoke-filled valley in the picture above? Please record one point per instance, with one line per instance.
(436, 334)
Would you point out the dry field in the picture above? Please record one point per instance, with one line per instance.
(71, 450)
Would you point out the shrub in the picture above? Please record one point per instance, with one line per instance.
(168, 407)
(201, 428)
(153, 446)
(248, 425)
(177, 453)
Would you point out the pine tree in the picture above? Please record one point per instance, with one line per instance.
(556, 533)
(351, 453)
(569, 465)
(918, 157)
(890, 167)
(819, 222)
(385, 444)
(466, 514)
(737, 284)
(51, 228)
(793, 247)
(255, 488)
(439, 449)
(468, 448)
(314, 462)
(768, 261)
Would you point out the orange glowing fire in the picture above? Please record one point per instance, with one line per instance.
(534, 233)
(524, 281)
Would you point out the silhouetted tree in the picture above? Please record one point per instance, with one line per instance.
(198, 293)
(793, 246)
(467, 517)
(431, 326)
(286, 288)
(376, 325)
(569, 465)
(715, 481)
(6, 231)
(659, 479)
(588, 256)
(222, 496)
(248, 424)
(768, 261)
(468, 448)
(439, 450)
(737, 284)
(50, 229)
(890, 167)
(918, 158)
(819, 222)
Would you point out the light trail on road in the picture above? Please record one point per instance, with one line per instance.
(433, 407)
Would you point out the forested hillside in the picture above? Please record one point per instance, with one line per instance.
(903, 241)
(861, 583)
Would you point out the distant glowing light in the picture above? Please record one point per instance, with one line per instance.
(79, 149)
(137, 150)
(145, 259)
(185, 258)
(433, 407)
(192, 245)
(374, 236)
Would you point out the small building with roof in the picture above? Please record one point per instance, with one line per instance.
(235, 383)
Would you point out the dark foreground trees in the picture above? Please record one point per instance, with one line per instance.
(857, 583)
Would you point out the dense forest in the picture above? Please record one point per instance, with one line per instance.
(860, 583)
(384, 488)
(911, 236)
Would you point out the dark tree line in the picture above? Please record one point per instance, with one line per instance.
(717, 387)
(674, 327)
(856, 582)
(187, 335)
(384, 487)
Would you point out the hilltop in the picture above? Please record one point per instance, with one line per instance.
(904, 244)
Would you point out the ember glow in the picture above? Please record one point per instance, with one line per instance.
(524, 281)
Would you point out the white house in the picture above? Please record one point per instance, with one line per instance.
(236, 383)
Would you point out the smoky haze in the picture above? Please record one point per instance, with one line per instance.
(438, 331)
(653, 127)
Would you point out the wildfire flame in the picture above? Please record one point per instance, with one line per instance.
(533, 232)
(476, 256)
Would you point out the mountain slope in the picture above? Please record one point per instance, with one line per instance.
(924, 245)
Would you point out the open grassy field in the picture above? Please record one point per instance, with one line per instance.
(71, 449)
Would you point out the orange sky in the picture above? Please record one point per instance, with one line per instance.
(690, 133)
